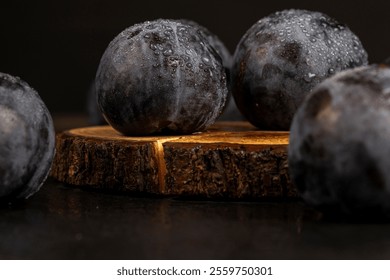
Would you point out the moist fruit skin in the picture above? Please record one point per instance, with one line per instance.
(282, 57)
(340, 145)
(214, 41)
(231, 112)
(160, 77)
(27, 139)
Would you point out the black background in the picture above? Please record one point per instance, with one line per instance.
(56, 45)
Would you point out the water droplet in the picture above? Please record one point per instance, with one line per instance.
(168, 33)
(308, 78)
(153, 46)
(151, 26)
(206, 60)
(331, 71)
(167, 52)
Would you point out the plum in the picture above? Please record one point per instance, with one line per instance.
(27, 139)
(160, 77)
(230, 113)
(340, 145)
(282, 57)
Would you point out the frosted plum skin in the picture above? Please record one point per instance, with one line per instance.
(161, 77)
(340, 142)
(27, 139)
(282, 57)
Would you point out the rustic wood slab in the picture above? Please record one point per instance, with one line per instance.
(232, 160)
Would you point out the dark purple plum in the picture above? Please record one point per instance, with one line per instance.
(230, 113)
(282, 57)
(161, 77)
(340, 145)
(27, 139)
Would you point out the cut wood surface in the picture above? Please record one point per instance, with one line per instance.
(232, 160)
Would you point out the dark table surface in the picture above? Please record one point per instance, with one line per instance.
(64, 222)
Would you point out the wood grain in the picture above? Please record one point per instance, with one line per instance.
(232, 160)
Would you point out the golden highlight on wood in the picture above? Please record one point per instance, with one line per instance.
(232, 160)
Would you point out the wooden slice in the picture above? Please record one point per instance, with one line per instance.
(230, 160)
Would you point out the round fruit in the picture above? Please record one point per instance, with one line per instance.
(282, 57)
(160, 77)
(27, 139)
(340, 144)
(230, 113)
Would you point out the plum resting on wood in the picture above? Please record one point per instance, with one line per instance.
(282, 57)
(340, 145)
(230, 112)
(160, 77)
(27, 139)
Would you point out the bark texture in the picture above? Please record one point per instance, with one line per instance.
(230, 161)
